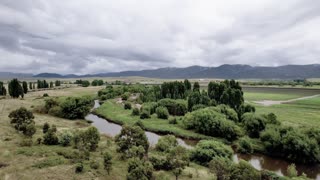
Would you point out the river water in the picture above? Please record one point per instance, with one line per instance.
(258, 161)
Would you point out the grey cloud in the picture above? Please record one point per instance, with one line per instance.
(92, 36)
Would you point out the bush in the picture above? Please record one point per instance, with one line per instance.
(139, 169)
(107, 162)
(253, 124)
(30, 130)
(76, 107)
(50, 138)
(140, 124)
(88, 139)
(125, 96)
(206, 150)
(135, 112)
(26, 142)
(173, 120)
(65, 138)
(45, 95)
(45, 127)
(245, 145)
(94, 164)
(23, 121)
(208, 121)
(198, 106)
(244, 171)
(55, 111)
(145, 114)
(175, 107)
(162, 112)
(150, 106)
(127, 105)
(221, 167)
(136, 151)
(230, 113)
(292, 171)
(79, 168)
(166, 143)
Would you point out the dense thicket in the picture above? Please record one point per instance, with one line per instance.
(173, 90)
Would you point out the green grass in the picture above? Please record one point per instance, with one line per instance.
(116, 113)
(299, 113)
(257, 96)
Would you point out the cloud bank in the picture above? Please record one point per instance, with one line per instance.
(92, 36)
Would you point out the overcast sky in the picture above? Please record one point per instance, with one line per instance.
(90, 36)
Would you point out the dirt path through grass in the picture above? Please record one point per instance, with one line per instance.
(271, 102)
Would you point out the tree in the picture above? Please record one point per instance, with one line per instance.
(85, 83)
(50, 137)
(51, 84)
(196, 86)
(23, 120)
(75, 107)
(107, 162)
(57, 83)
(253, 124)
(221, 167)
(33, 85)
(15, 89)
(3, 91)
(166, 143)
(179, 159)
(206, 150)
(30, 85)
(131, 136)
(162, 112)
(45, 127)
(139, 169)
(88, 139)
(187, 84)
(25, 87)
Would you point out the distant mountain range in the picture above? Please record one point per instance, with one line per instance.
(224, 72)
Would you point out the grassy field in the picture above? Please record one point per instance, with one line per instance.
(17, 162)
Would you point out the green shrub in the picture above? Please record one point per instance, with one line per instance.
(221, 167)
(22, 119)
(55, 111)
(135, 111)
(45, 95)
(127, 105)
(175, 107)
(292, 171)
(245, 146)
(253, 124)
(79, 168)
(49, 162)
(150, 106)
(140, 124)
(88, 139)
(76, 107)
(139, 169)
(65, 138)
(45, 127)
(173, 120)
(125, 96)
(107, 162)
(206, 150)
(94, 164)
(244, 171)
(145, 114)
(162, 112)
(50, 137)
(166, 143)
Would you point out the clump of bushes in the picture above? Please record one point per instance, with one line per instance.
(22, 119)
(175, 107)
(127, 105)
(162, 112)
(135, 112)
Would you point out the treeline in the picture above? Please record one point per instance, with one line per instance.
(293, 83)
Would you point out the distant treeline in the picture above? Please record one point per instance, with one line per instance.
(301, 82)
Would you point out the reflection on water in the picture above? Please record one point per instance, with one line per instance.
(258, 161)
(278, 166)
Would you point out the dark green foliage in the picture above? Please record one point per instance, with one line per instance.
(140, 124)
(272, 119)
(79, 168)
(206, 150)
(3, 91)
(22, 119)
(187, 84)
(162, 112)
(50, 137)
(198, 106)
(25, 87)
(45, 95)
(244, 171)
(196, 98)
(136, 152)
(45, 127)
(125, 96)
(65, 138)
(15, 89)
(175, 107)
(245, 146)
(51, 84)
(166, 143)
(50, 103)
(210, 122)
(245, 108)
(135, 111)
(131, 136)
(30, 85)
(178, 158)
(139, 170)
(88, 139)
(145, 114)
(221, 167)
(107, 162)
(173, 90)
(97, 82)
(57, 83)
(85, 83)
(254, 124)
(150, 106)
(226, 110)
(127, 105)
(291, 144)
(173, 120)
(76, 107)
(196, 86)
(42, 84)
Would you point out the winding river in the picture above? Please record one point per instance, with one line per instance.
(258, 161)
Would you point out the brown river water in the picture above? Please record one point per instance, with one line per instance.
(258, 161)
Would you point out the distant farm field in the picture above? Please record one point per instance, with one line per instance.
(296, 113)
